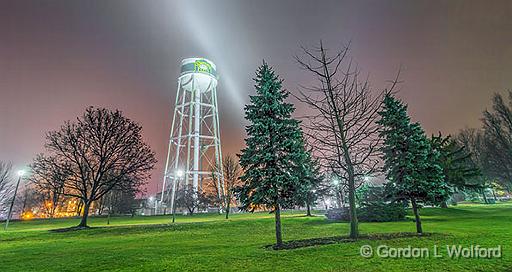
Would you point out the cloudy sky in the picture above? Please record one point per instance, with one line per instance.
(58, 57)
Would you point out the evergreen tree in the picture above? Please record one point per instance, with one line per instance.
(275, 149)
(413, 167)
(459, 171)
(312, 184)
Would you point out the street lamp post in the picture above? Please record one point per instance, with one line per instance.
(20, 175)
(177, 176)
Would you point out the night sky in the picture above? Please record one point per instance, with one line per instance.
(58, 57)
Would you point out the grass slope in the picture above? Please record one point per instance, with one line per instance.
(210, 243)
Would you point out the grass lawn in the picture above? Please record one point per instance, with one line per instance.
(210, 243)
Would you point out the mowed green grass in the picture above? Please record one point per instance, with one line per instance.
(210, 243)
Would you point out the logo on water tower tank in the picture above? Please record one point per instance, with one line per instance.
(202, 66)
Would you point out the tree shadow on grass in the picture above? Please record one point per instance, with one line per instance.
(294, 244)
(126, 229)
(324, 222)
(70, 229)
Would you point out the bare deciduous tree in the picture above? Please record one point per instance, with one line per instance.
(473, 141)
(225, 192)
(49, 180)
(187, 197)
(29, 201)
(497, 141)
(5, 186)
(342, 124)
(102, 150)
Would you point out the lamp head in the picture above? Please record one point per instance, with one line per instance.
(21, 173)
(336, 181)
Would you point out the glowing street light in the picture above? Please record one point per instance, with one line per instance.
(20, 173)
(336, 181)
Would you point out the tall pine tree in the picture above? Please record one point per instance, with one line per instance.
(275, 149)
(313, 184)
(413, 167)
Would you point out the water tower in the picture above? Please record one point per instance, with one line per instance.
(194, 143)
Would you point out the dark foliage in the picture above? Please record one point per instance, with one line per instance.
(455, 160)
(374, 207)
(187, 197)
(412, 166)
(272, 159)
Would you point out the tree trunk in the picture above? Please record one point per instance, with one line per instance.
(227, 209)
(308, 209)
(279, 238)
(444, 204)
(109, 212)
(494, 195)
(79, 208)
(54, 205)
(485, 198)
(339, 198)
(52, 210)
(85, 215)
(354, 231)
(419, 229)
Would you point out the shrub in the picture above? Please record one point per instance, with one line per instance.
(380, 211)
(374, 207)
